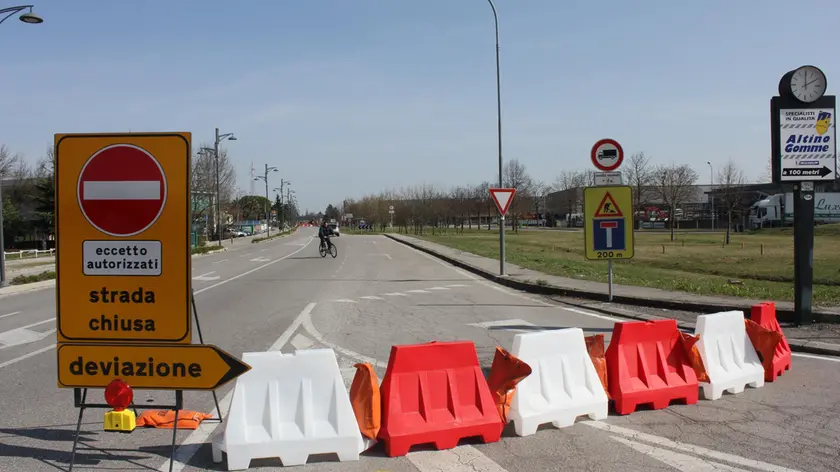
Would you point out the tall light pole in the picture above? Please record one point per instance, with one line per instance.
(28, 17)
(219, 139)
(280, 212)
(499, 136)
(712, 188)
(264, 177)
(33, 19)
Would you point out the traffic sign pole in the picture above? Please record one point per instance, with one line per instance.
(503, 198)
(608, 210)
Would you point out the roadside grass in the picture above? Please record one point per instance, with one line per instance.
(206, 249)
(269, 238)
(28, 265)
(26, 256)
(28, 279)
(755, 265)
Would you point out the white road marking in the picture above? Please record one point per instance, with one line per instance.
(811, 356)
(18, 336)
(345, 300)
(306, 322)
(347, 369)
(247, 254)
(372, 297)
(9, 314)
(206, 277)
(263, 250)
(460, 459)
(682, 462)
(190, 446)
(219, 262)
(252, 270)
(457, 285)
(438, 288)
(395, 294)
(516, 322)
(382, 254)
(502, 289)
(418, 291)
(301, 342)
(260, 259)
(690, 448)
(26, 356)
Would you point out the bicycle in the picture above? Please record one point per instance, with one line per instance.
(322, 250)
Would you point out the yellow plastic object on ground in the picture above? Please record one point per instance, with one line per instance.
(120, 421)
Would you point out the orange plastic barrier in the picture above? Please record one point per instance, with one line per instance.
(765, 315)
(646, 364)
(435, 393)
(689, 344)
(507, 371)
(366, 400)
(595, 348)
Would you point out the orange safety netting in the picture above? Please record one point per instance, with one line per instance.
(366, 400)
(595, 348)
(165, 419)
(764, 341)
(506, 371)
(689, 344)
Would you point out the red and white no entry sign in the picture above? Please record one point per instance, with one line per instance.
(122, 190)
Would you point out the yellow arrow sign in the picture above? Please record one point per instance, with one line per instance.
(144, 366)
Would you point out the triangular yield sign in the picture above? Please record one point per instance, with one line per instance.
(503, 197)
(608, 208)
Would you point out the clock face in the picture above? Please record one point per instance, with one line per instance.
(807, 84)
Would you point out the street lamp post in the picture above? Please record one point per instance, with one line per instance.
(499, 137)
(31, 18)
(264, 177)
(219, 139)
(28, 17)
(280, 211)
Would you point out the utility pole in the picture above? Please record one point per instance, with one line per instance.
(219, 139)
(264, 178)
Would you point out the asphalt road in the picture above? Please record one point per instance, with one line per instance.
(376, 293)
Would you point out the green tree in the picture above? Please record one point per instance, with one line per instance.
(44, 194)
(12, 223)
(252, 207)
(331, 212)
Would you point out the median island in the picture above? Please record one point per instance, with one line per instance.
(754, 265)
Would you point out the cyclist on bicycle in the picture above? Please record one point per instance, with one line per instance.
(324, 233)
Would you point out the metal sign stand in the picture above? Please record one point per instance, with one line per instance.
(803, 146)
(80, 397)
(607, 155)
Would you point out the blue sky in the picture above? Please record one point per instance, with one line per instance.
(350, 97)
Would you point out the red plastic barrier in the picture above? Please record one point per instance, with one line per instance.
(646, 364)
(435, 393)
(765, 315)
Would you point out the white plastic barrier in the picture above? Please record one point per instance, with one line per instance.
(728, 354)
(289, 406)
(563, 383)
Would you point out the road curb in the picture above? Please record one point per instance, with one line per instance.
(805, 347)
(30, 287)
(784, 315)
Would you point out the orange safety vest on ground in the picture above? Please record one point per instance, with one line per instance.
(165, 419)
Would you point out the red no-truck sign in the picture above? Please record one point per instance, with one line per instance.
(122, 190)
